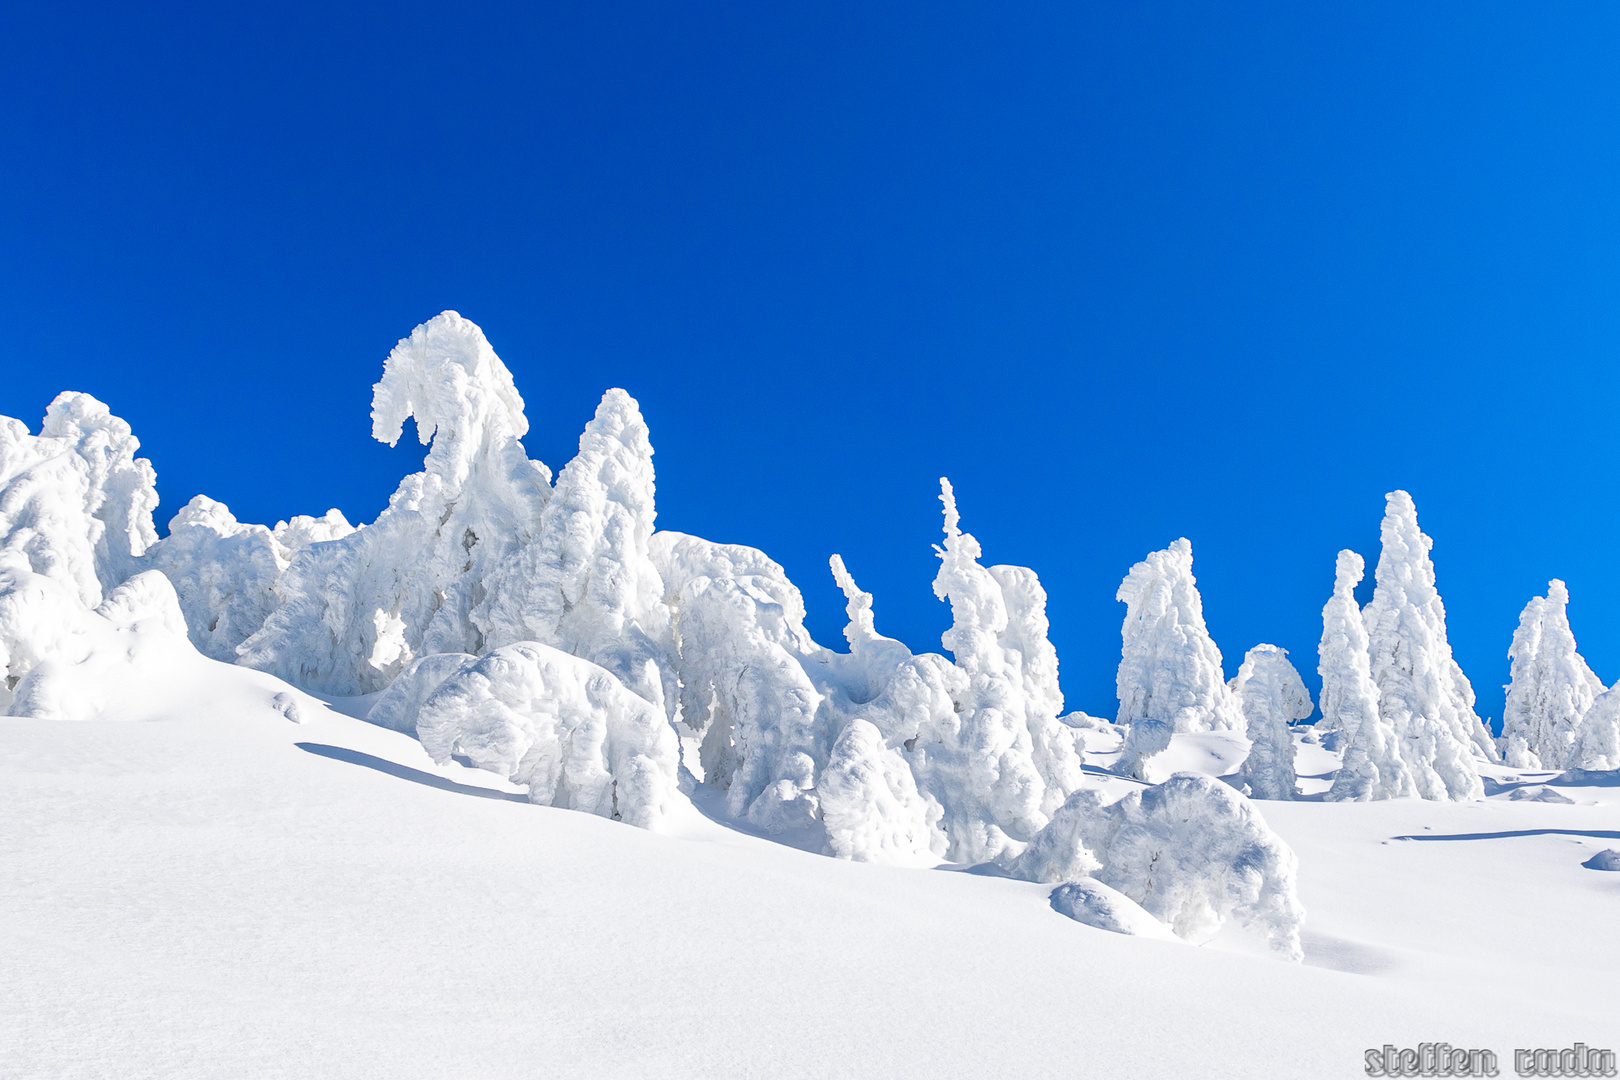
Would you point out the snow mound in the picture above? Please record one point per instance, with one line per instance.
(1191, 851)
(1539, 794)
(63, 661)
(1091, 902)
(562, 725)
(1607, 859)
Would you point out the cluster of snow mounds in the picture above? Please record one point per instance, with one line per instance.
(353, 612)
(1551, 689)
(1191, 851)
(1422, 693)
(1169, 668)
(560, 724)
(1272, 696)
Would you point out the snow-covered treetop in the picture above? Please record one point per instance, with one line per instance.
(447, 376)
(862, 627)
(1170, 668)
(978, 612)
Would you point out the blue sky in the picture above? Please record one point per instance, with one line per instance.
(1123, 272)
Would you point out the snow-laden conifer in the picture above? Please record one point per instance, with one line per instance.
(1272, 695)
(1372, 767)
(355, 611)
(224, 572)
(586, 582)
(1597, 739)
(1551, 685)
(1422, 693)
(1169, 668)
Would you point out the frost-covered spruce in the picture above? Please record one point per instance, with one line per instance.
(1422, 693)
(1272, 695)
(1372, 767)
(562, 725)
(75, 503)
(1169, 668)
(224, 572)
(1597, 740)
(741, 650)
(984, 765)
(354, 611)
(1551, 685)
(586, 582)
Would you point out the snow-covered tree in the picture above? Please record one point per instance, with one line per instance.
(1372, 767)
(560, 724)
(75, 503)
(224, 572)
(1422, 693)
(1169, 668)
(1551, 685)
(586, 582)
(1272, 695)
(1597, 739)
(354, 611)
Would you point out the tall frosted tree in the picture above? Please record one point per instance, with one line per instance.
(1169, 668)
(1422, 693)
(1372, 767)
(1272, 695)
(1551, 687)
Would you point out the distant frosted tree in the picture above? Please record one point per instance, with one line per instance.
(1169, 668)
(1597, 740)
(1422, 693)
(1272, 695)
(1551, 687)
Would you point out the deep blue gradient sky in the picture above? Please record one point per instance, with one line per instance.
(1124, 272)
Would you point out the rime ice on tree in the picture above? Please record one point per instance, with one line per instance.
(354, 612)
(1551, 687)
(1169, 668)
(1372, 766)
(1272, 695)
(1423, 694)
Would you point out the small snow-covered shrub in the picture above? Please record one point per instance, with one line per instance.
(562, 725)
(1191, 851)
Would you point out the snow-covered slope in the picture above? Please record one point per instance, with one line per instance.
(218, 891)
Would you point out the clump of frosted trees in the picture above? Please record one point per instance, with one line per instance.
(544, 629)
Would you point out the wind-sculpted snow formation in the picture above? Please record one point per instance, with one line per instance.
(550, 635)
(1170, 669)
(1422, 693)
(353, 612)
(1551, 687)
(1272, 696)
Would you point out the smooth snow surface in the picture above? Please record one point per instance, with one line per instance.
(217, 891)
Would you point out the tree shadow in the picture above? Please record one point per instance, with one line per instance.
(1595, 834)
(405, 772)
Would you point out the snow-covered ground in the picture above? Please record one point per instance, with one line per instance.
(217, 891)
